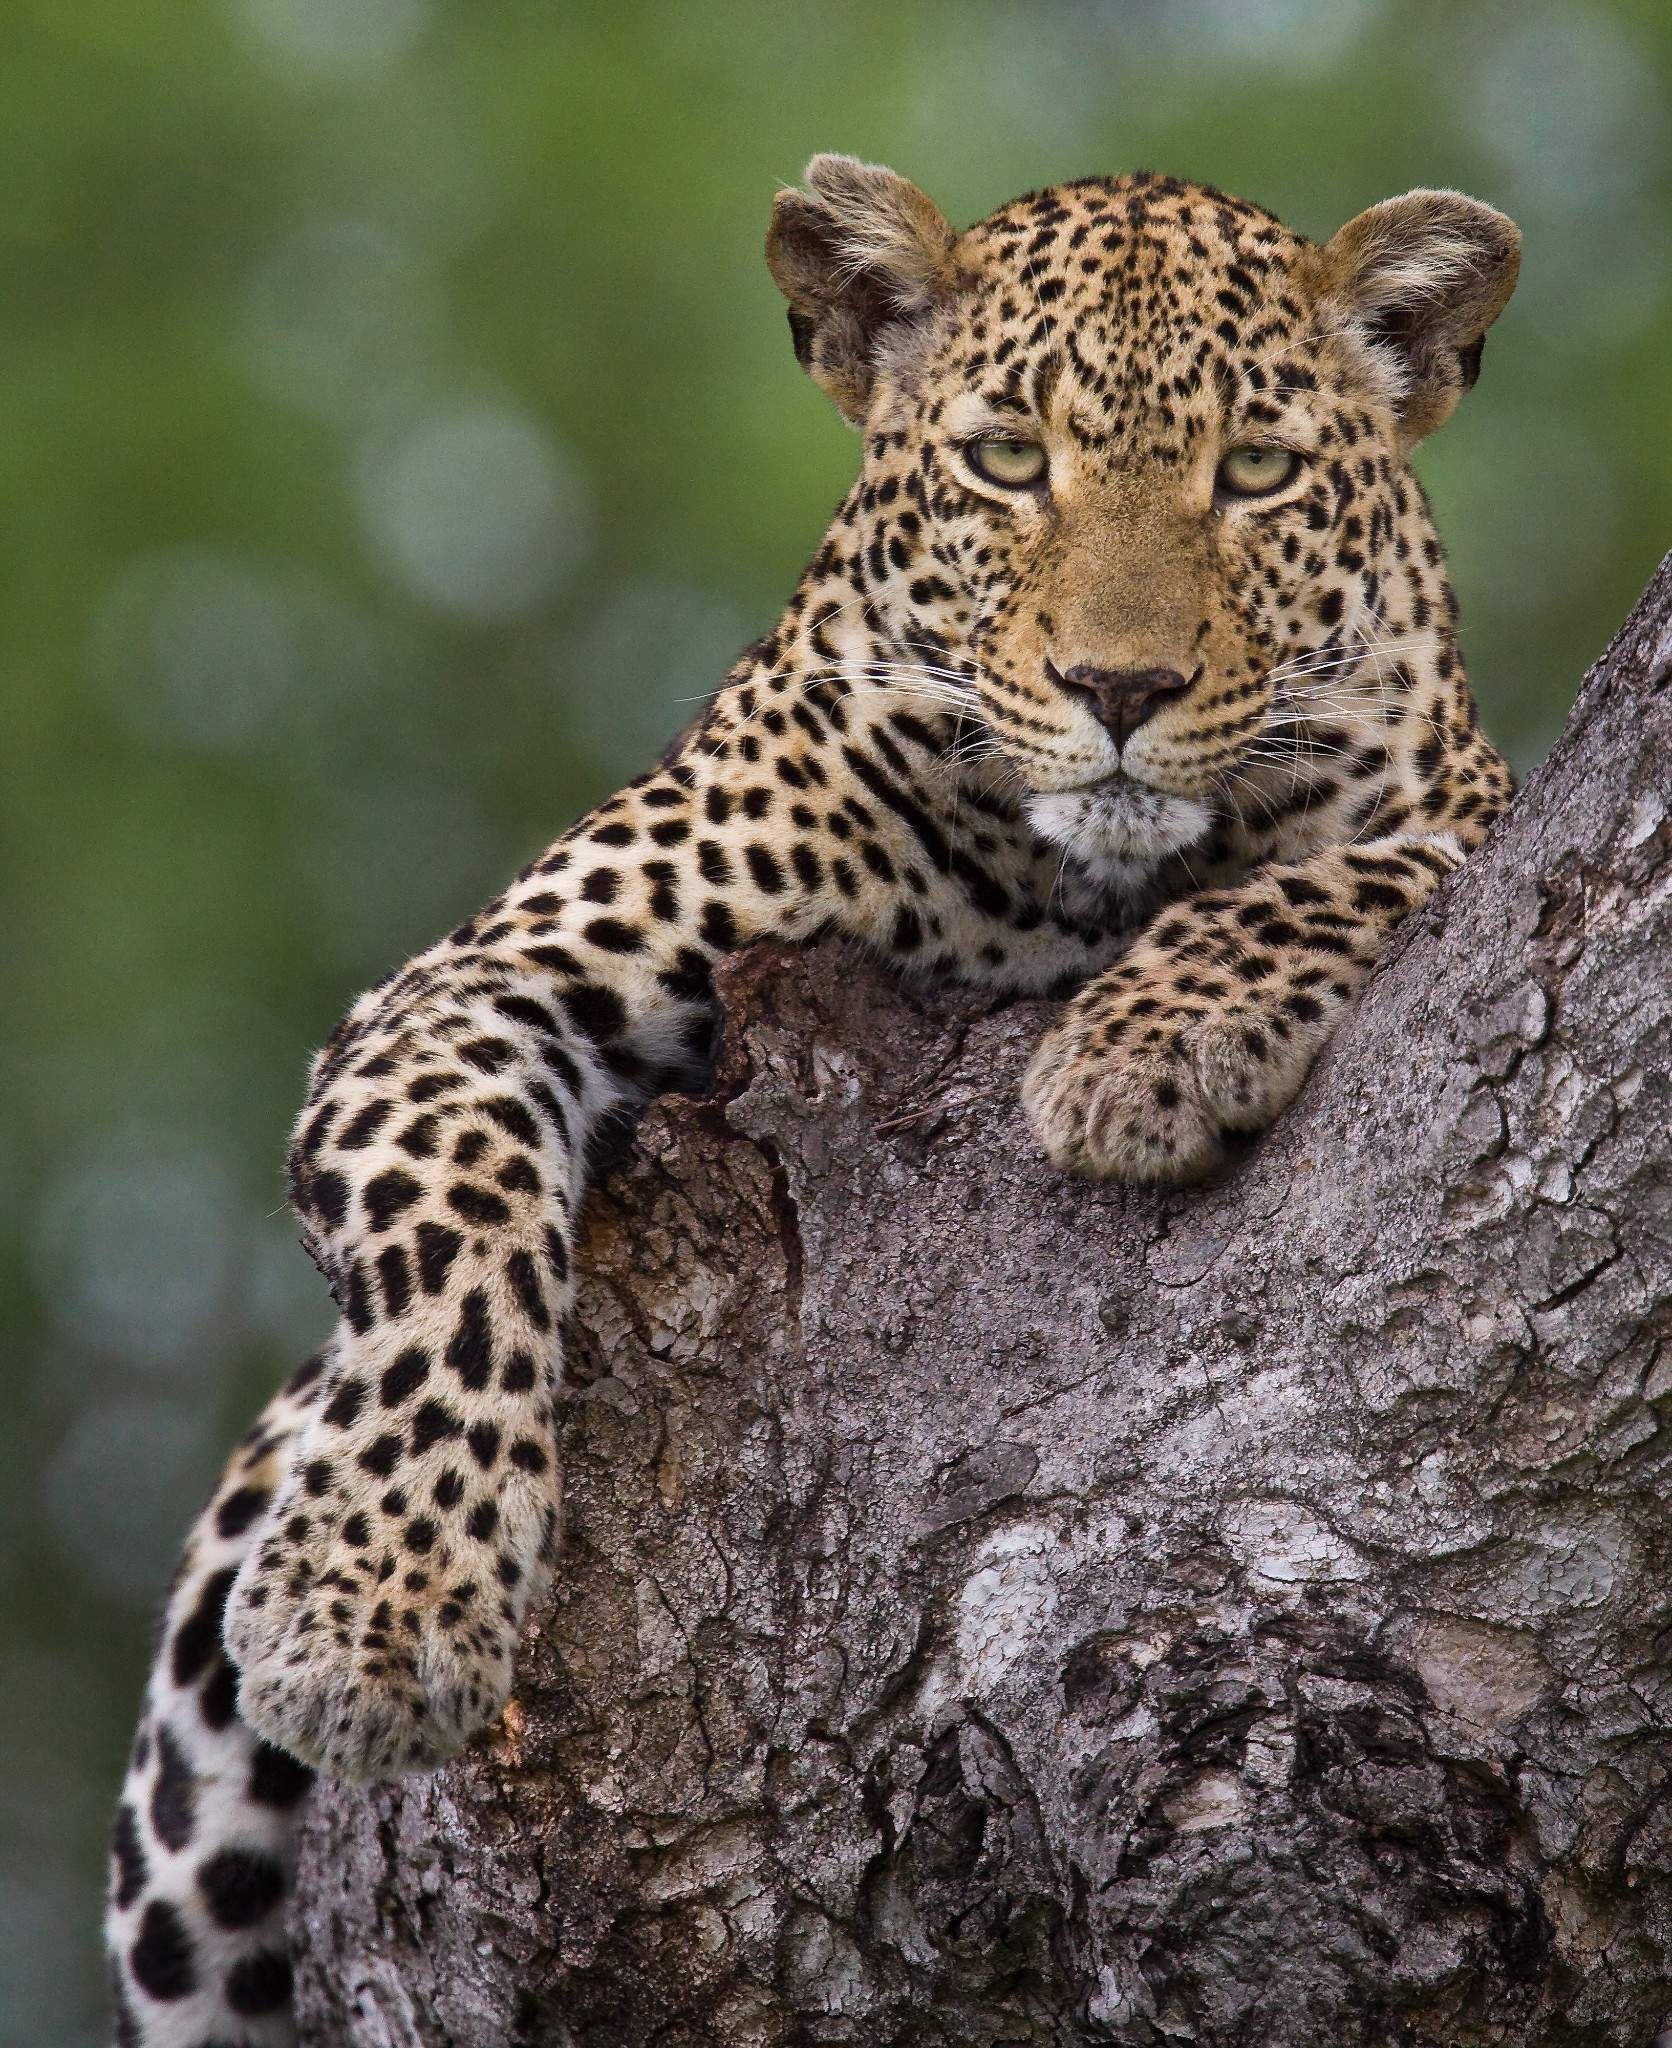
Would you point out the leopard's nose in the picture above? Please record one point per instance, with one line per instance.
(1120, 699)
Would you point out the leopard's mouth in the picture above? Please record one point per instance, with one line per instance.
(1119, 821)
(1115, 784)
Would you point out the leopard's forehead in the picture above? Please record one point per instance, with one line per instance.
(1128, 239)
(1138, 289)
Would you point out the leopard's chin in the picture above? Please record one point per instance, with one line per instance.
(1118, 827)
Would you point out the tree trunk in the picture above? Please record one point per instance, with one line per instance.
(1003, 1609)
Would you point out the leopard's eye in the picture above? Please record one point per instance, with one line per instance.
(1253, 472)
(1016, 464)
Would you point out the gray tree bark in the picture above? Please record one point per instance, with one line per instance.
(1001, 1609)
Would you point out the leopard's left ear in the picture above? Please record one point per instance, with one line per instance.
(860, 255)
(1424, 276)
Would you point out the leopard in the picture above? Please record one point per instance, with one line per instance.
(1127, 673)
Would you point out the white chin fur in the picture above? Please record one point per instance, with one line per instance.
(1120, 827)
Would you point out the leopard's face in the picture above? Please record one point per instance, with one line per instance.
(1125, 481)
(1136, 497)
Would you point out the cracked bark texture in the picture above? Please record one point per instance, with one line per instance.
(1002, 1609)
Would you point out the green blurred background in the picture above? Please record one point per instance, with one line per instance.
(398, 434)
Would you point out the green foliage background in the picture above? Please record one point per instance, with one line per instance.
(398, 432)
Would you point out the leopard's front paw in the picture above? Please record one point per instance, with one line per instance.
(374, 1625)
(1119, 1092)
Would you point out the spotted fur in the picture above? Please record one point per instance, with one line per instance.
(1194, 751)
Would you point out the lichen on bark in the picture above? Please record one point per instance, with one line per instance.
(1002, 1609)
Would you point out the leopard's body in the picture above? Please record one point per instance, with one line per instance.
(1195, 749)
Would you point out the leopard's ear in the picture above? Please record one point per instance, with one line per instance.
(1422, 278)
(858, 255)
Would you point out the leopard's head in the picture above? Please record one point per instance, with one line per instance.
(1136, 458)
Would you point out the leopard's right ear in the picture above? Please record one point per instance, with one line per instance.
(859, 255)
(1421, 278)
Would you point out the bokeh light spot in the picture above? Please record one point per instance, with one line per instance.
(1529, 504)
(391, 866)
(134, 1252)
(1571, 110)
(122, 1485)
(644, 667)
(337, 312)
(336, 40)
(1309, 35)
(472, 511)
(194, 645)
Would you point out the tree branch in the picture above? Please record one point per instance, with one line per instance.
(1004, 1609)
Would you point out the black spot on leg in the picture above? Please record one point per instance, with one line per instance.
(326, 1196)
(259, 1983)
(381, 1456)
(520, 1270)
(468, 1147)
(127, 1854)
(395, 1276)
(767, 875)
(404, 1376)
(345, 1403)
(217, 1698)
(512, 1117)
(276, 1778)
(358, 1133)
(199, 1636)
(305, 1374)
(428, 1086)
(518, 1176)
(240, 1885)
(419, 1138)
(524, 1009)
(477, 1205)
(470, 1352)
(173, 1795)
(438, 1247)
(599, 1012)
(487, 1055)
(356, 1301)
(239, 1510)
(161, 1958)
(611, 935)
(387, 1194)
(433, 1422)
